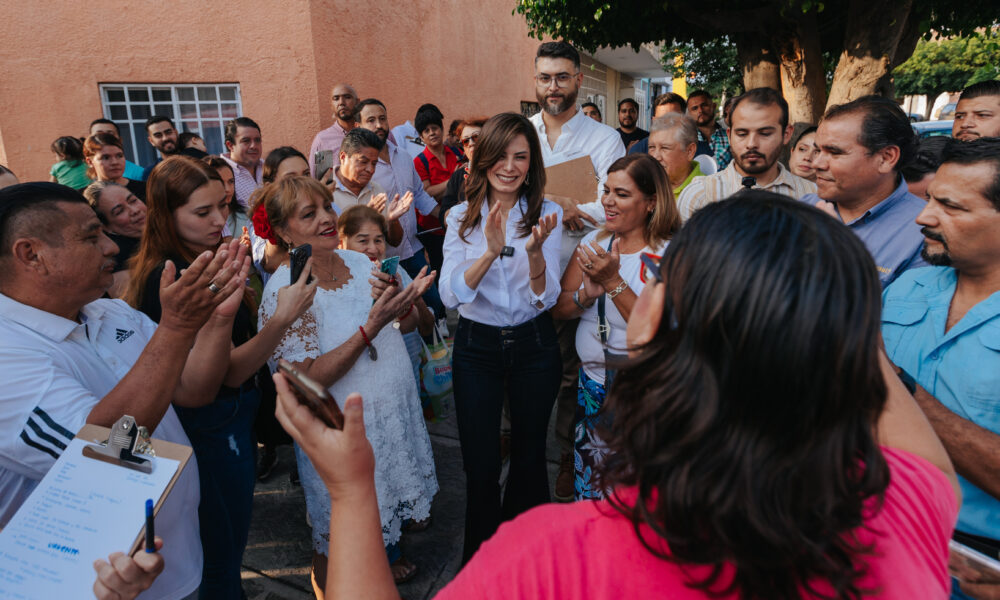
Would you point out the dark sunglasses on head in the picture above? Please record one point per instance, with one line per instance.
(650, 268)
(470, 140)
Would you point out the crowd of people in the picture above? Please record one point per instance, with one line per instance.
(771, 378)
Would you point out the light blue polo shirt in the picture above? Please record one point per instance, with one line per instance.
(890, 232)
(960, 367)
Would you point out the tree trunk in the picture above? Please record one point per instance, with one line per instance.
(760, 65)
(869, 51)
(803, 79)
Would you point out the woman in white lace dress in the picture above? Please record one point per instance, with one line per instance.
(343, 342)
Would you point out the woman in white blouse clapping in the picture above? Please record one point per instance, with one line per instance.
(501, 270)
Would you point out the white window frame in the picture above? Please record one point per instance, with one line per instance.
(207, 112)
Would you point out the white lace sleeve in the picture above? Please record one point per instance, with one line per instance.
(301, 340)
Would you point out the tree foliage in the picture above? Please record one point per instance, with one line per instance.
(868, 36)
(948, 65)
(712, 66)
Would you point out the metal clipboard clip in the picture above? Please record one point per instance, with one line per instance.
(125, 442)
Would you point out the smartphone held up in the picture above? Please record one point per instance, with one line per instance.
(312, 394)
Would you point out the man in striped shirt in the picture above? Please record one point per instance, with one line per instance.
(758, 132)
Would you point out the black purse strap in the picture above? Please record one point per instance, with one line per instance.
(602, 321)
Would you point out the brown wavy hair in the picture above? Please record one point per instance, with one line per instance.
(497, 134)
(649, 176)
(279, 199)
(169, 187)
(747, 423)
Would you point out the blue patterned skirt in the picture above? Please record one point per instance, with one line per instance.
(588, 449)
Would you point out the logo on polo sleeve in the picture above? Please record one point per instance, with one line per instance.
(123, 334)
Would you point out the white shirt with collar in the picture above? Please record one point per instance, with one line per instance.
(583, 136)
(707, 189)
(56, 372)
(398, 177)
(245, 182)
(503, 297)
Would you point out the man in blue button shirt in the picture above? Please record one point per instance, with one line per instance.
(862, 147)
(941, 326)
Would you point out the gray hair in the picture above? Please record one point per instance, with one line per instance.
(685, 131)
(93, 194)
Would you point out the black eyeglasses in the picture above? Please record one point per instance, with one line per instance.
(650, 268)
(470, 140)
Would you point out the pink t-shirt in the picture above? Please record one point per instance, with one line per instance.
(578, 551)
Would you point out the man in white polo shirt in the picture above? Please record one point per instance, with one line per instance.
(566, 133)
(71, 358)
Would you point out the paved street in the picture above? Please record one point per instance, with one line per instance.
(276, 563)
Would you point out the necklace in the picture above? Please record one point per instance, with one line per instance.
(329, 273)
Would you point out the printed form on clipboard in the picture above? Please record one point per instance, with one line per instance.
(82, 510)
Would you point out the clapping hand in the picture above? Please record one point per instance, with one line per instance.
(495, 231)
(245, 238)
(540, 232)
(399, 206)
(599, 266)
(394, 301)
(207, 284)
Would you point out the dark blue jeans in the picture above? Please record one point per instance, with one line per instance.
(222, 437)
(431, 297)
(523, 363)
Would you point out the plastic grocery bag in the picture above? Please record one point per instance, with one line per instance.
(436, 377)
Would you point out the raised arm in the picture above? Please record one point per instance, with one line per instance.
(148, 388)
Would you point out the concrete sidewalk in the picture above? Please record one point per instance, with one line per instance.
(277, 560)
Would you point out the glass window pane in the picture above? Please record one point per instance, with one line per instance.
(127, 143)
(229, 111)
(161, 94)
(212, 134)
(138, 95)
(185, 93)
(209, 111)
(165, 110)
(189, 111)
(145, 153)
(141, 111)
(115, 94)
(206, 93)
(118, 113)
(227, 92)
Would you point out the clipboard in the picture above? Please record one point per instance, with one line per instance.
(573, 178)
(84, 509)
(97, 435)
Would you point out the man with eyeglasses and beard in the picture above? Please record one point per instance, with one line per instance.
(941, 327)
(758, 133)
(566, 133)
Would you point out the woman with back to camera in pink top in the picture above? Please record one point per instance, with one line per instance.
(762, 445)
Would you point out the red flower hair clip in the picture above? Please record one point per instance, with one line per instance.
(262, 225)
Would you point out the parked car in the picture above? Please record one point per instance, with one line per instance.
(926, 129)
(947, 111)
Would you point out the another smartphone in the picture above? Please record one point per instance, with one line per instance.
(324, 162)
(298, 257)
(390, 265)
(313, 395)
(988, 568)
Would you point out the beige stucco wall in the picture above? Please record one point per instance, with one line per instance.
(468, 59)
